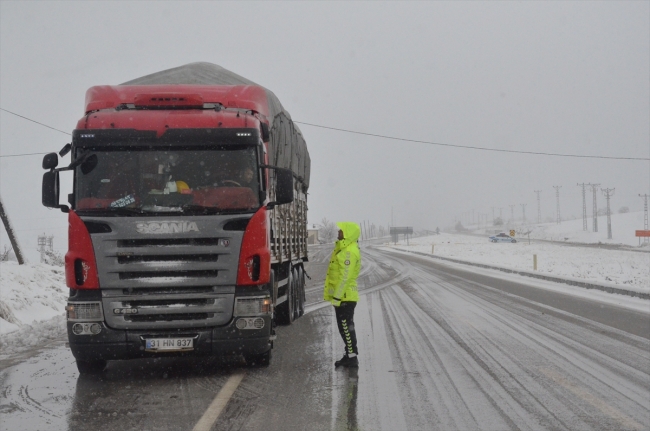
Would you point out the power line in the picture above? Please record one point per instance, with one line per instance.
(469, 147)
(34, 121)
(26, 154)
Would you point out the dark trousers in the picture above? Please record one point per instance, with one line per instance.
(345, 321)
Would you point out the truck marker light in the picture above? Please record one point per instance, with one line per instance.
(84, 311)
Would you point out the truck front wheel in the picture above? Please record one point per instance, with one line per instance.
(91, 367)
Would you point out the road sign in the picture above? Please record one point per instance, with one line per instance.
(512, 232)
(642, 233)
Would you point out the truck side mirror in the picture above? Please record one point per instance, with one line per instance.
(50, 161)
(50, 188)
(283, 187)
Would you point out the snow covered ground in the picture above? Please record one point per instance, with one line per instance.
(571, 231)
(623, 268)
(32, 301)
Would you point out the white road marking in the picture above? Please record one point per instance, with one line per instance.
(220, 401)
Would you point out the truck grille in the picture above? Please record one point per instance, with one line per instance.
(167, 310)
(167, 274)
(168, 317)
(167, 258)
(168, 242)
(176, 280)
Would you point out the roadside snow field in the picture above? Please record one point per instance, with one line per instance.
(624, 227)
(627, 269)
(32, 305)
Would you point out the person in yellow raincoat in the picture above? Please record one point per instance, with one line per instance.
(341, 288)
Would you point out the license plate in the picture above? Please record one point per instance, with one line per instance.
(169, 344)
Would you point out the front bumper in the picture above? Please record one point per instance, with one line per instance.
(112, 344)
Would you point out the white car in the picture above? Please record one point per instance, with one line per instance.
(502, 237)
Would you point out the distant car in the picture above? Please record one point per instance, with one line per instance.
(502, 237)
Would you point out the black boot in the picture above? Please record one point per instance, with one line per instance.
(346, 361)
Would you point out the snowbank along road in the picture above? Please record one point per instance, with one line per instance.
(441, 348)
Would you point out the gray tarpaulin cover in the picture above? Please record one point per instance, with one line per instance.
(287, 148)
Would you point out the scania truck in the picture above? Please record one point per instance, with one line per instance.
(187, 218)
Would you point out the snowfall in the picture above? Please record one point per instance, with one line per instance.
(33, 296)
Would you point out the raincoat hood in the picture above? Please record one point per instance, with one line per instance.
(351, 232)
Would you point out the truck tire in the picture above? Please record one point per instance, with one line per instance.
(285, 313)
(261, 360)
(91, 367)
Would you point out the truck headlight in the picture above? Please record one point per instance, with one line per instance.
(252, 306)
(86, 328)
(84, 311)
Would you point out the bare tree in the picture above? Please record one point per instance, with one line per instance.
(328, 231)
(4, 254)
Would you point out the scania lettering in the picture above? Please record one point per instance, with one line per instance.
(187, 220)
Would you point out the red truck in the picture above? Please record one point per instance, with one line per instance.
(187, 220)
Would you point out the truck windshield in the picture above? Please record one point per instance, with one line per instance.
(223, 179)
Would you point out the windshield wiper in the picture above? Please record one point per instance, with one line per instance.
(115, 210)
(199, 208)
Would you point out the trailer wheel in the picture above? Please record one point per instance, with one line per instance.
(285, 313)
(91, 367)
(261, 360)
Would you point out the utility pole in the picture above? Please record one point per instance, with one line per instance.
(492, 216)
(10, 234)
(645, 215)
(45, 244)
(512, 213)
(501, 213)
(584, 206)
(557, 199)
(608, 194)
(594, 189)
(539, 208)
(523, 209)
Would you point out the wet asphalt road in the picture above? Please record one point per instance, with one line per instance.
(440, 348)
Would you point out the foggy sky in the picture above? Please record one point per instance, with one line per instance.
(561, 77)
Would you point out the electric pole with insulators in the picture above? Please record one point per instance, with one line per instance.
(645, 215)
(558, 218)
(584, 206)
(539, 207)
(512, 213)
(608, 194)
(594, 189)
(45, 244)
(523, 209)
